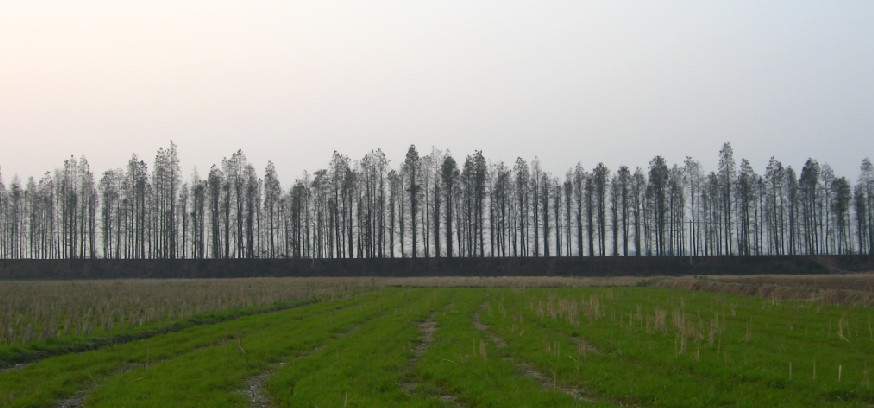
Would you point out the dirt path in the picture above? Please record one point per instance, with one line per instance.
(255, 389)
(546, 381)
(75, 401)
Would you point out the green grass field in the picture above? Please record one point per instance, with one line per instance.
(615, 346)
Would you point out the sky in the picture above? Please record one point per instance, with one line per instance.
(582, 81)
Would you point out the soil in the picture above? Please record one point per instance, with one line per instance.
(255, 389)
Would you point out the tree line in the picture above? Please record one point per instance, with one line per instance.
(432, 205)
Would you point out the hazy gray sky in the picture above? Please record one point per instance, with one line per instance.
(568, 81)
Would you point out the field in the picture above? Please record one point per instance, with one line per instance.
(457, 342)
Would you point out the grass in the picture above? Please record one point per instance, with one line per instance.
(212, 375)
(61, 377)
(488, 346)
(362, 368)
(466, 364)
(692, 349)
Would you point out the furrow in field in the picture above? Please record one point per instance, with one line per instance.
(255, 387)
(528, 370)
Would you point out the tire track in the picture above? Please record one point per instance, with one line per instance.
(255, 387)
(427, 330)
(528, 370)
(426, 339)
(78, 399)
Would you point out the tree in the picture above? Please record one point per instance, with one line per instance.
(745, 190)
(840, 205)
(615, 203)
(411, 168)
(590, 211)
(400, 202)
(792, 198)
(253, 198)
(427, 184)
(501, 202)
(69, 205)
(534, 186)
(372, 176)
(436, 159)
(183, 217)
(624, 183)
(521, 175)
(137, 190)
(165, 180)
(824, 207)
(676, 211)
(600, 175)
(693, 179)
(808, 182)
(859, 205)
(866, 184)
(545, 198)
(774, 181)
(448, 176)
(272, 194)
(579, 186)
(198, 216)
(321, 191)
(480, 174)
(87, 210)
(568, 207)
(110, 191)
(727, 175)
(556, 211)
(216, 183)
(15, 219)
(658, 180)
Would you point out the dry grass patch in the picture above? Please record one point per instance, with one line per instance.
(849, 290)
(515, 281)
(39, 310)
